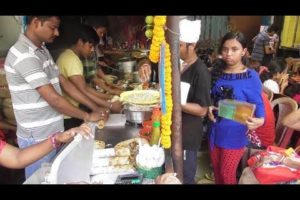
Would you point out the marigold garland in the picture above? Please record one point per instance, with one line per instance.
(157, 39)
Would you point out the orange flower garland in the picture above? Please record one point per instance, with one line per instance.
(158, 39)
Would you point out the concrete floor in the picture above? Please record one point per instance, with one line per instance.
(204, 167)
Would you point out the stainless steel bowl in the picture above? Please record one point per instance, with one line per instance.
(136, 113)
(127, 66)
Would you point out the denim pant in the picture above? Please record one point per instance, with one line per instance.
(189, 166)
(30, 169)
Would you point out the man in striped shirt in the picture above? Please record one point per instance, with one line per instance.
(263, 52)
(34, 84)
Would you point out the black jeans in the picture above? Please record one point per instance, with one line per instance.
(189, 166)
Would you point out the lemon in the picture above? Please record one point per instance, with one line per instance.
(149, 33)
(149, 19)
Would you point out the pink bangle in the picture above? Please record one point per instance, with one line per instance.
(53, 141)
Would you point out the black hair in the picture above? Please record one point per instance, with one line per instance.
(42, 18)
(97, 21)
(274, 67)
(219, 65)
(292, 90)
(85, 33)
(234, 35)
(273, 28)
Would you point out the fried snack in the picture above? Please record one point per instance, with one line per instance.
(114, 161)
(140, 97)
(101, 124)
(98, 144)
(133, 146)
(122, 151)
(127, 142)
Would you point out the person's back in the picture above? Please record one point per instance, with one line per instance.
(266, 133)
(262, 51)
(261, 41)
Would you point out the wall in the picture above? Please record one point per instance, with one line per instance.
(248, 25)
(10, 29)
(213, 28)
(127, 29)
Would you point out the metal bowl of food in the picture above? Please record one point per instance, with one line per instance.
(137, 113)
(127, 66)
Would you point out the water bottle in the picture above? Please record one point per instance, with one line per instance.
(155, 133)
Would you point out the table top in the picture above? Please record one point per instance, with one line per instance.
(113, 135)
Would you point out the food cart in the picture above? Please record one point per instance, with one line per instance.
(80, 151)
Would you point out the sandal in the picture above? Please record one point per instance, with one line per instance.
(210, 176)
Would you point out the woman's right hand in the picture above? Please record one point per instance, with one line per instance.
(68, 135)
(211, 110)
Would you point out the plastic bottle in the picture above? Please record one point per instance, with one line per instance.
(156, 114)
(155, 133)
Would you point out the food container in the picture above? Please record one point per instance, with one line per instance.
(127, 66)
(136, 78)
(236, 110)
(137, 113)
(150, 161)
(150, 173)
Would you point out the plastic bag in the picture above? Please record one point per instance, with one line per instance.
(278, 174)
(269, 166)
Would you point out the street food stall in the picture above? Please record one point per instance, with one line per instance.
(120, 151)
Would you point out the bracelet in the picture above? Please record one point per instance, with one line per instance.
(110, 106)
(53, 141)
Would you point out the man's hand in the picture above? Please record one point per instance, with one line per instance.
(93, 117)
(104, 112)
(117, 107)
(145, 72)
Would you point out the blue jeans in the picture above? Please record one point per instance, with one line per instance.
(30, 169)
(189, 166)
